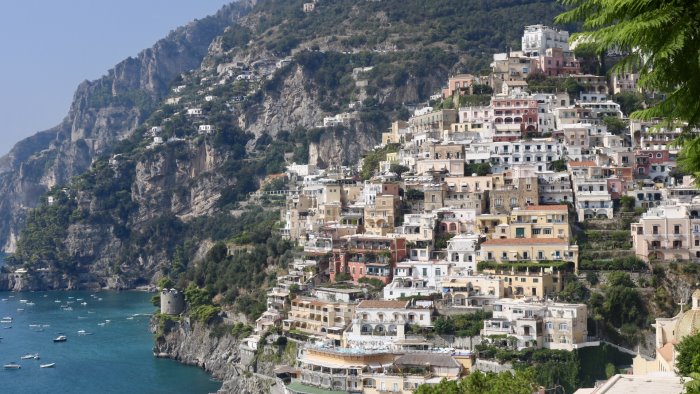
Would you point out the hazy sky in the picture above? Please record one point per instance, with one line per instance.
(48, 47)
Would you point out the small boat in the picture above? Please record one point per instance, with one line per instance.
(7, 327)
(34, 356)
(57, 301)
(67, 308)
(20, 309)
(91, 311)
(101, 324)
(60, 338)
(49, 365)
(107, 321)
(12, 366)
(83, 303)
(6, 319)
(83, 332)
(23, 301)
(30, 304)
(82, 317)
(4, 300)
(130, 318)
(78, 299)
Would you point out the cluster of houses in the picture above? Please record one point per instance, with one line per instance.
(471, 210)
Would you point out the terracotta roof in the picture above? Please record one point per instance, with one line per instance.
(382, 304)
(526, 241)
(547, 207)
(582, 164)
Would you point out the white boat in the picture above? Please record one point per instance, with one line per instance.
(20, 309)
(12, 366)
(83, 303)
(83, 332)
(60, 338)
(100, 324)
(4, 300)
(57, 301)
(49, 365)
(107, 321)
(23, 301)
(34, 356)
(30, 304)
(67, 308)
(130, 318)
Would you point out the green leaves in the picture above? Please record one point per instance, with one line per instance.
(662, 43)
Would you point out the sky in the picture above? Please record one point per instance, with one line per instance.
(48, 47)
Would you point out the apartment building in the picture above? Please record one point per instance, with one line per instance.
(540, 221)
(549, 325)
(367, 256)
(528, 249)
(320, 318)
(472, 291)
(382, 323)
(416, 278)
(670, 231)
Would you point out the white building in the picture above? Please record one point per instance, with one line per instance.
(461, 252)
(382, 323)
(538, 38)
(550, 325)
(205, 129)
(416, 278)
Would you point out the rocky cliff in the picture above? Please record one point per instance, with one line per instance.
(103, 111)
(217, 353)
(167, 170)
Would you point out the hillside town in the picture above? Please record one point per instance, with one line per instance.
(471, 210)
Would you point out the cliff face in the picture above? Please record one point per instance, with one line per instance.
(103, 112)
(196, 344)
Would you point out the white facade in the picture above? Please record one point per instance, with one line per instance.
(538, 38)
(461, 252)
(416, 278)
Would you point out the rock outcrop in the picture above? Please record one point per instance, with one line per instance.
(103, 112)
(195, 344)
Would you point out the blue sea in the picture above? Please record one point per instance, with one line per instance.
(115, 357)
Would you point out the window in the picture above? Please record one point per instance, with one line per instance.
(676, 229)
(425, 272)
(655, 230)
(548, 231)
(563, 327)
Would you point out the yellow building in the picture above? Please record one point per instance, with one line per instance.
(317, 317)
(528, 282)
(540, 221)
(528, 249)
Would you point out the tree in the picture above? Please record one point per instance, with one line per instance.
(522, 382)
(688, 358)
(667, 63)
(615, 125)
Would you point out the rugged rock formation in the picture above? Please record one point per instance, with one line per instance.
(103, 112)
(196, 344)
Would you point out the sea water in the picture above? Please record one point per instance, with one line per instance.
(115, 357)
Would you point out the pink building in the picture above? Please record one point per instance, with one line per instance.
(557, 61)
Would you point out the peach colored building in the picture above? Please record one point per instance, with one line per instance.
(668, 232)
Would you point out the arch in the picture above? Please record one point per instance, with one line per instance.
(366, 329)
(508, 120)
(391, 330)
(459, 300)
(453, 227)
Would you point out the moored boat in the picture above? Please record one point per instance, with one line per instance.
(49, 365)
(60, 338)
(12, 366)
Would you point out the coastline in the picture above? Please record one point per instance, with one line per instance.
(221, 355)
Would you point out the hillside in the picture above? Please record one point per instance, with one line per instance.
(168, 186)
